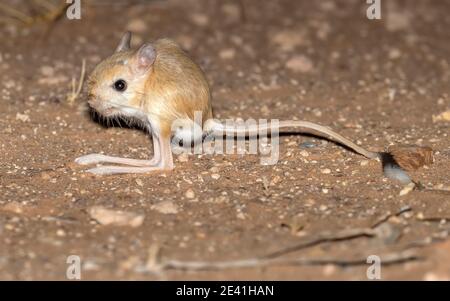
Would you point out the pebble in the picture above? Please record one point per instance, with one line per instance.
(165, 207)
(288, 40)
(326, 171)
(23, 117)
(227, 54)
(199, 19)
(407, 189)
(329, 270)
(444, 116)
(304, 153)
(323, 208)
(190, 194)
(215, 176)
(61, 233)
(106, 216)
(394, 53)
(240, 215)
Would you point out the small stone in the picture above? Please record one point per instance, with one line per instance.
(304, 153)
(215, 176)
(45, 176)
(22, 117)
(199, 19)
(364, 162)
(61, 233)
(240, 215)
(444, 116)
(214, 169)
(139, 182)
(165, 207)
(394, 53)
(300, 63)
(420, 216)
(325, 190)
(106, 216)
(329, 270)
(326, 171)
(407, 189)
(310, 203)
(276, 180)
(227, 54)
(190, 194)
(288, 40)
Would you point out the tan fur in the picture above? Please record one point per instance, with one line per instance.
(177, 87)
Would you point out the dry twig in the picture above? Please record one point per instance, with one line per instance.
(324, 237)
(385, 217)
(73, 95)
(49, 14)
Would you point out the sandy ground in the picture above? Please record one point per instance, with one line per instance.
(379, 82)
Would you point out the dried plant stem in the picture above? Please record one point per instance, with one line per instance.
(77, 90)
(324, 237)
(390, 258)
(45, 4)
(274, 258)
(51, 14)
(16, 14)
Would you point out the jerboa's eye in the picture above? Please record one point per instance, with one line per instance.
(120, 85)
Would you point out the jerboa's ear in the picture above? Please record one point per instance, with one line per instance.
(145, 57)
(124, 44)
